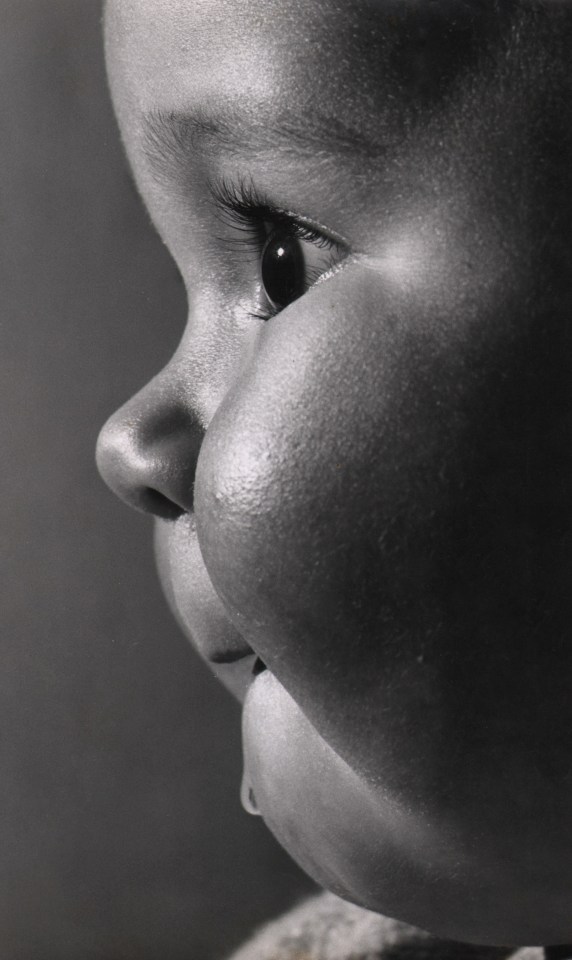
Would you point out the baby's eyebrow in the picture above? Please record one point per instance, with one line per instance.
(173, 136)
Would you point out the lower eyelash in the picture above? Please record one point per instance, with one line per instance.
(263, 316)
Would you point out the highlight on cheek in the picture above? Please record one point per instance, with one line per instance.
(403, 263)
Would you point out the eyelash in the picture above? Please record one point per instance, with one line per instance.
(239, 204)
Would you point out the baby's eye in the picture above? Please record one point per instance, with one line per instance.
(293, 258)
(291, 252)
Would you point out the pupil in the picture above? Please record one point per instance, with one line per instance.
(283, 270)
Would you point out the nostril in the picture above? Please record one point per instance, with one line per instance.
(160, 505)
(147, 451)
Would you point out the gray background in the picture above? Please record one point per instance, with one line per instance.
(121, 834)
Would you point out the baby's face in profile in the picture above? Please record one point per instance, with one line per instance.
(359, 458)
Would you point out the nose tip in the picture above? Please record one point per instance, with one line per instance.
(147, 454)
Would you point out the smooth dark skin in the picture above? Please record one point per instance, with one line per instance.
(372, 490)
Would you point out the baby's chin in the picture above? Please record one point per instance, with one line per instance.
(359, 843)
(343, 832)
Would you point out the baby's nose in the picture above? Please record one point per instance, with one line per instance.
(147, 451)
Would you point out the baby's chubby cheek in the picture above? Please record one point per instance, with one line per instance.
(360, 515)
(314, 462)
(276, 480)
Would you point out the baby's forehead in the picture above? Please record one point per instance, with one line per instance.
(367, 59)
(413, 84)
(379, 57)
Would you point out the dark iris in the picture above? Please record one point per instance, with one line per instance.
(283, 269)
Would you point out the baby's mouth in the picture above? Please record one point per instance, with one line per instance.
(258, 667)
(239, 674)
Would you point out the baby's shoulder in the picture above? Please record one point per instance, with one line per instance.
(327, 928)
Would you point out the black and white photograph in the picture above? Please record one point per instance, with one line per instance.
(286, 474)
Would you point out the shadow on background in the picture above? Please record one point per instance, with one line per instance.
(121, 834)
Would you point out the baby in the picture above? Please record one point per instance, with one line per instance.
(360, 456)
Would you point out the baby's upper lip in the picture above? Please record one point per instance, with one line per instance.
(191, 594)
(199, 611)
